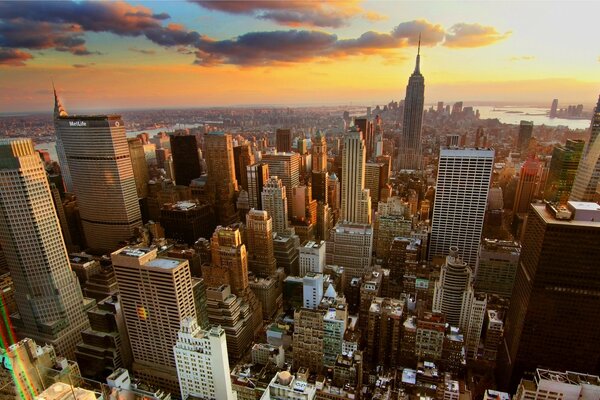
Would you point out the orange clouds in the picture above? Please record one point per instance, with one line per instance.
(473, 35)
(13, 57)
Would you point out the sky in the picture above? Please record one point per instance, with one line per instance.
(168, 54)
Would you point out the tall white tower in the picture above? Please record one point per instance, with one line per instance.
(588, 173)
(47, 293)
(356, 200)
(461, 193)
(202, 363)
(274, 201)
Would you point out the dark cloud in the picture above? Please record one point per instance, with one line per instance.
(22, 33)
(431, 34)
(14, 57)
(473, 35)
(295, 12)
(142, 51)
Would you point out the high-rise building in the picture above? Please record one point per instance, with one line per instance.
(553, 315)
(320, 183)
(496, 267)
(221, 184)
(366, 127)
(319, 153)
(186, 159)
(202, 362)
(312, 257)
(409, 152)
(243, 157)
(525, 132)
(46, 292)
(286, 252)
(528, 186)
(308, 338)
(588, 172)
(101, 175)
(463, 184)
(283, 140)
(140, 167)
(356, 200)
(259, 236)
(374, 180)
(384, 330)
(563, 168)
(257, 177)
(156, 295)
(454, 296)
(285, 166)
(187, 221)
(548, 384)
(554, 108)
(350, 246)
(275, 202)
(312, 290)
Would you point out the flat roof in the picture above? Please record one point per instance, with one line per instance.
(548, 218)
(165, 263)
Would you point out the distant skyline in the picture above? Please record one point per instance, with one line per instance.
(135, 55)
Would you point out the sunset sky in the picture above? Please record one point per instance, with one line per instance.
(117, 55)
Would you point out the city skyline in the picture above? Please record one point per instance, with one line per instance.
(165, 54)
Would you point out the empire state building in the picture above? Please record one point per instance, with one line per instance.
(409, 154)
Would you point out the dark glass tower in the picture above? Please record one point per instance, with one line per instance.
(186, 160)
(409, 156)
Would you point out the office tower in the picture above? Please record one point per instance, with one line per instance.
(59, 111)
(161, 140)
(374, 180)
(162, 155)
(528, 186)
(333, 192)
(547, 384)
(454, 296)
(285, 386)
(156, 295)
(368, 133)
(257, 176)
(553, 316)
(285, 166)
(386, 229)
(350, 245)
(320, 183)
(187, 221)
(202, 363)
(275, 202)
(140, 168)
(304, 208)
(242, 158)
(525, 132)
(234, 315)
(286, 252)
(312, 257)
(319, 153)
(105, 346)
(403, 258)
(335, 323)
(324, 221)
(409, 151)
(259, 236)
(496, 267)
(48, 297)
(494, 328)
(28, 369)
(221, 185)
(186, 159)
(462, 188)
(307, 340)
(588, 172)
(283, 140)
(429, 336)
(554, 108)
(101, 173)
(312, 290)
(356, 200)
(563, 168)
(268, 290)
(384, 331)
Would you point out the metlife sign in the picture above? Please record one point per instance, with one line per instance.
(77, 123)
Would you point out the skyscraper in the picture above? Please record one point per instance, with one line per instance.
(274, 201)
(319, 153)
(47, 293)
(202, 363)
(356, 200)
(283, 140)
(368, 132)
(528, 186)
(588, 173)
(186, 160)
(259, 234)
(525, 132)
(140, 167)
(553, 316)
(242, 158)
(463, 183)
(554, 108)
(286, 166)
(156, 295)
(563, 168)
(409, 152)
(97, 154)
(257, 176)
(221, 184)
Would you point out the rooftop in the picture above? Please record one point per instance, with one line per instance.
(165, 263)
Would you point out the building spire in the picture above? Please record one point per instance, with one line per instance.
(59, 110)
(418, 64)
